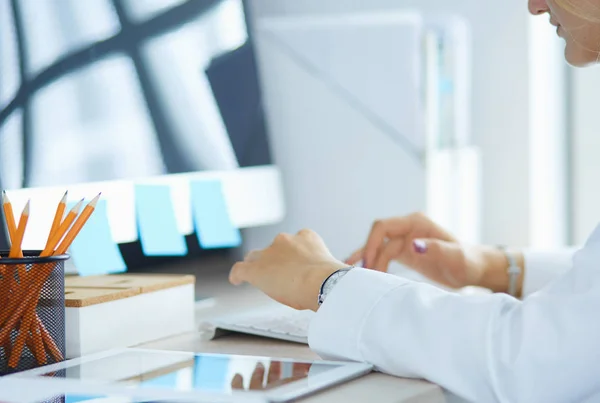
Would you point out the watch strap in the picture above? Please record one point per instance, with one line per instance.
(514, 271)
(335, 276)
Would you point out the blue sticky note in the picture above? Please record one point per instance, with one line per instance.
(81, 398)
(94, 250)
(157, 224)
(210, 373)
(168, 381)
(211, 216)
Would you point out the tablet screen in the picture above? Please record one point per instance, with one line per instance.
(73, 398)
(193, 372)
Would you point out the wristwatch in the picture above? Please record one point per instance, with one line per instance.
(330, 282)
(513, 271)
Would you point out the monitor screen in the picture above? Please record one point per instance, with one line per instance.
(103, 90)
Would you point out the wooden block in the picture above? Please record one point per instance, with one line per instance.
(88, 282)
(103, 318)
(82, 297)
(145, 282)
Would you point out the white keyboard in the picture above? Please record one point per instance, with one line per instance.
(276, 323)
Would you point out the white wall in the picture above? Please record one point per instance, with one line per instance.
(586, 150)
(500, 126)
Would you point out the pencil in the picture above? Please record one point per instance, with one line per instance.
(15, 249)
(58, 217)
(36, 339)
(62, 230)
(15, 252)
(22, 308)
(15, 354)
(81, 220)
(9, 216)
(52, 347)
(26, 321)
(37, 342)
(12, 229)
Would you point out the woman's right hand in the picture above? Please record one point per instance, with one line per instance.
(420, 244)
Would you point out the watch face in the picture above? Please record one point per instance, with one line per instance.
(333, 280)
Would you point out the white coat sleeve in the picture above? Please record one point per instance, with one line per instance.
(541, 268)
(484, 348)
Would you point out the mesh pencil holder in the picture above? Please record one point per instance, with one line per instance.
(32, 311)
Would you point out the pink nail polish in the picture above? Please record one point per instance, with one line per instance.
(420, 246)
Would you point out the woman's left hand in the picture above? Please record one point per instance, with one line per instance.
(290, 271)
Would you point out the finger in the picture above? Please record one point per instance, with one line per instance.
(389, 252)
(274, 372)
(306, 233)
(301, 369)
(374, 241)
(312, 236)
(382, 229)
(237, 382)
(282, 238)
(253, 255)
(446, 258)
(239, 273)
(355, 257)
(256, 382)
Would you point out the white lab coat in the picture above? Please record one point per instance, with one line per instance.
(484, 348)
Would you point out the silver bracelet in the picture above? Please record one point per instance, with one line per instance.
(514, 271)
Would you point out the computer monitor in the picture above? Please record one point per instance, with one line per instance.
(98, 94)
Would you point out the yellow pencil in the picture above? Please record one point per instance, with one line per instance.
(15, 249)
(62, 230)
(58, 217)
(77, 227)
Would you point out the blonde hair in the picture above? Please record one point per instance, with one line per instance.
(579, 11)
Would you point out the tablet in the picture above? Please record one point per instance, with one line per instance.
(50, 390)
(202, 375)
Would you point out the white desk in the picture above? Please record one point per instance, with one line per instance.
(373, 387)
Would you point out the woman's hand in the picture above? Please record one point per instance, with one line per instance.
(417, 242)
(274, 376)
(290, 271)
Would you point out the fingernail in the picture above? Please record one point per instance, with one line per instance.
(420, 246)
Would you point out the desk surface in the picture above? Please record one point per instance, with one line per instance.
(228, 299)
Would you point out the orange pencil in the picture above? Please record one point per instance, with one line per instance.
(15, 354)
(26, 321)
(37, 342)
(62, 230)
(58, 217)
(8, 287)
(9, 215)
(15, 249)
(73, 232)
